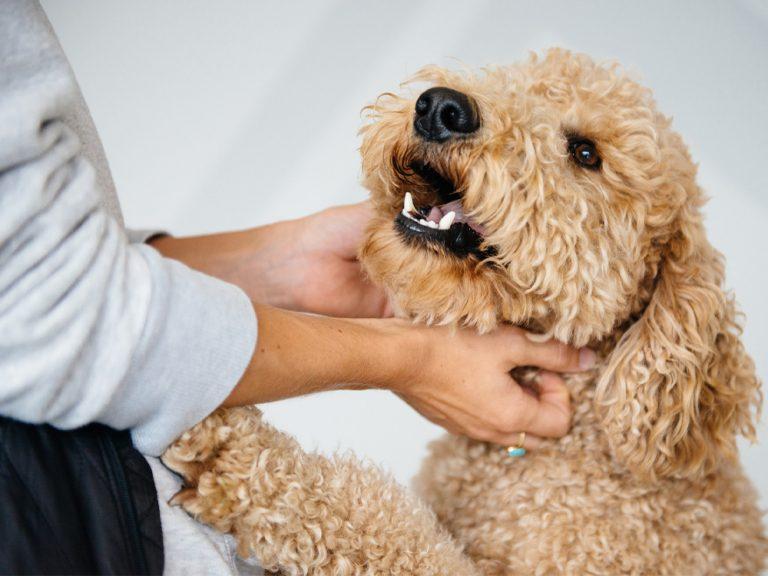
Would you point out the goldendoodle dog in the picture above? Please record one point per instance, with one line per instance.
(554, 196)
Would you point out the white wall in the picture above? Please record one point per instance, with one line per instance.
(231, 114)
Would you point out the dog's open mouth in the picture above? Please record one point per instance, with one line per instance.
(444, 223)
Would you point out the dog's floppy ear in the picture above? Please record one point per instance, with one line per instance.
(679, 385)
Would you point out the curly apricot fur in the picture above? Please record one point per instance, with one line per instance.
(647, 481)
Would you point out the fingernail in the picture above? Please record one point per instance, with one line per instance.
(587, 358)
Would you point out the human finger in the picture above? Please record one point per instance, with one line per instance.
(549, 354)
(548, 414)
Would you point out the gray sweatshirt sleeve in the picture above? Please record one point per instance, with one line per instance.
(93, 328)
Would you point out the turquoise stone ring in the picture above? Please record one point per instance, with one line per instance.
(517, 450)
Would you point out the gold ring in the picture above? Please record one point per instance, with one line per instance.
(518, 449)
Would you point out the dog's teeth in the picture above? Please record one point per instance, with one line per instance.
(446, 221)
(408, 204)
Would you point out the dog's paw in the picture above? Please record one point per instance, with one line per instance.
(195, 451)
(183, 498)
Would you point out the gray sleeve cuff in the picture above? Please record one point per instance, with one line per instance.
(197, 341)
(143, 236)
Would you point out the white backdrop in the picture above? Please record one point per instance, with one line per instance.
(231, 114)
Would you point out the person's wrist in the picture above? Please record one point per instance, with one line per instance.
(402, 349)
(254, 259)
(218, 255)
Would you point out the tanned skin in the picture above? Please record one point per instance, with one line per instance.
(454, 377)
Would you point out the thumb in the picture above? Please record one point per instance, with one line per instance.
(549, 414)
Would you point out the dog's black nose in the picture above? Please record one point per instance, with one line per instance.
(442, 113)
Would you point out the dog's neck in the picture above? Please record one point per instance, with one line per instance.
(587, 431)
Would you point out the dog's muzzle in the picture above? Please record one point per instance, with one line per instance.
(442, 223)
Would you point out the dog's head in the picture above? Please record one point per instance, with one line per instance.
(553, 195)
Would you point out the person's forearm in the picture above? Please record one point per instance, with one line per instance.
(308, 264)
(299, 354)
(237, 257)
(457, 378)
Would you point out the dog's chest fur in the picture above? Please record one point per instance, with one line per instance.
(517, 515)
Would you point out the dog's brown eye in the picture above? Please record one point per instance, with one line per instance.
(584, 152)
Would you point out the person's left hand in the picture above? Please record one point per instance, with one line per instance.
(309, 264)
(328, 278)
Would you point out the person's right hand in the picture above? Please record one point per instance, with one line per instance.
(463, 384)
(457, 378)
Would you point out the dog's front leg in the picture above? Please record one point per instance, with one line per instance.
(301, 513)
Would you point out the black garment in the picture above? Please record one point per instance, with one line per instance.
(76, 502)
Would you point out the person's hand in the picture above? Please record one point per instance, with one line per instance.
(457, 378)
(463, 384)
(309, 264)
(324, 275)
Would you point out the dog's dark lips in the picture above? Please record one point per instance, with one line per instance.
(443, 224)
